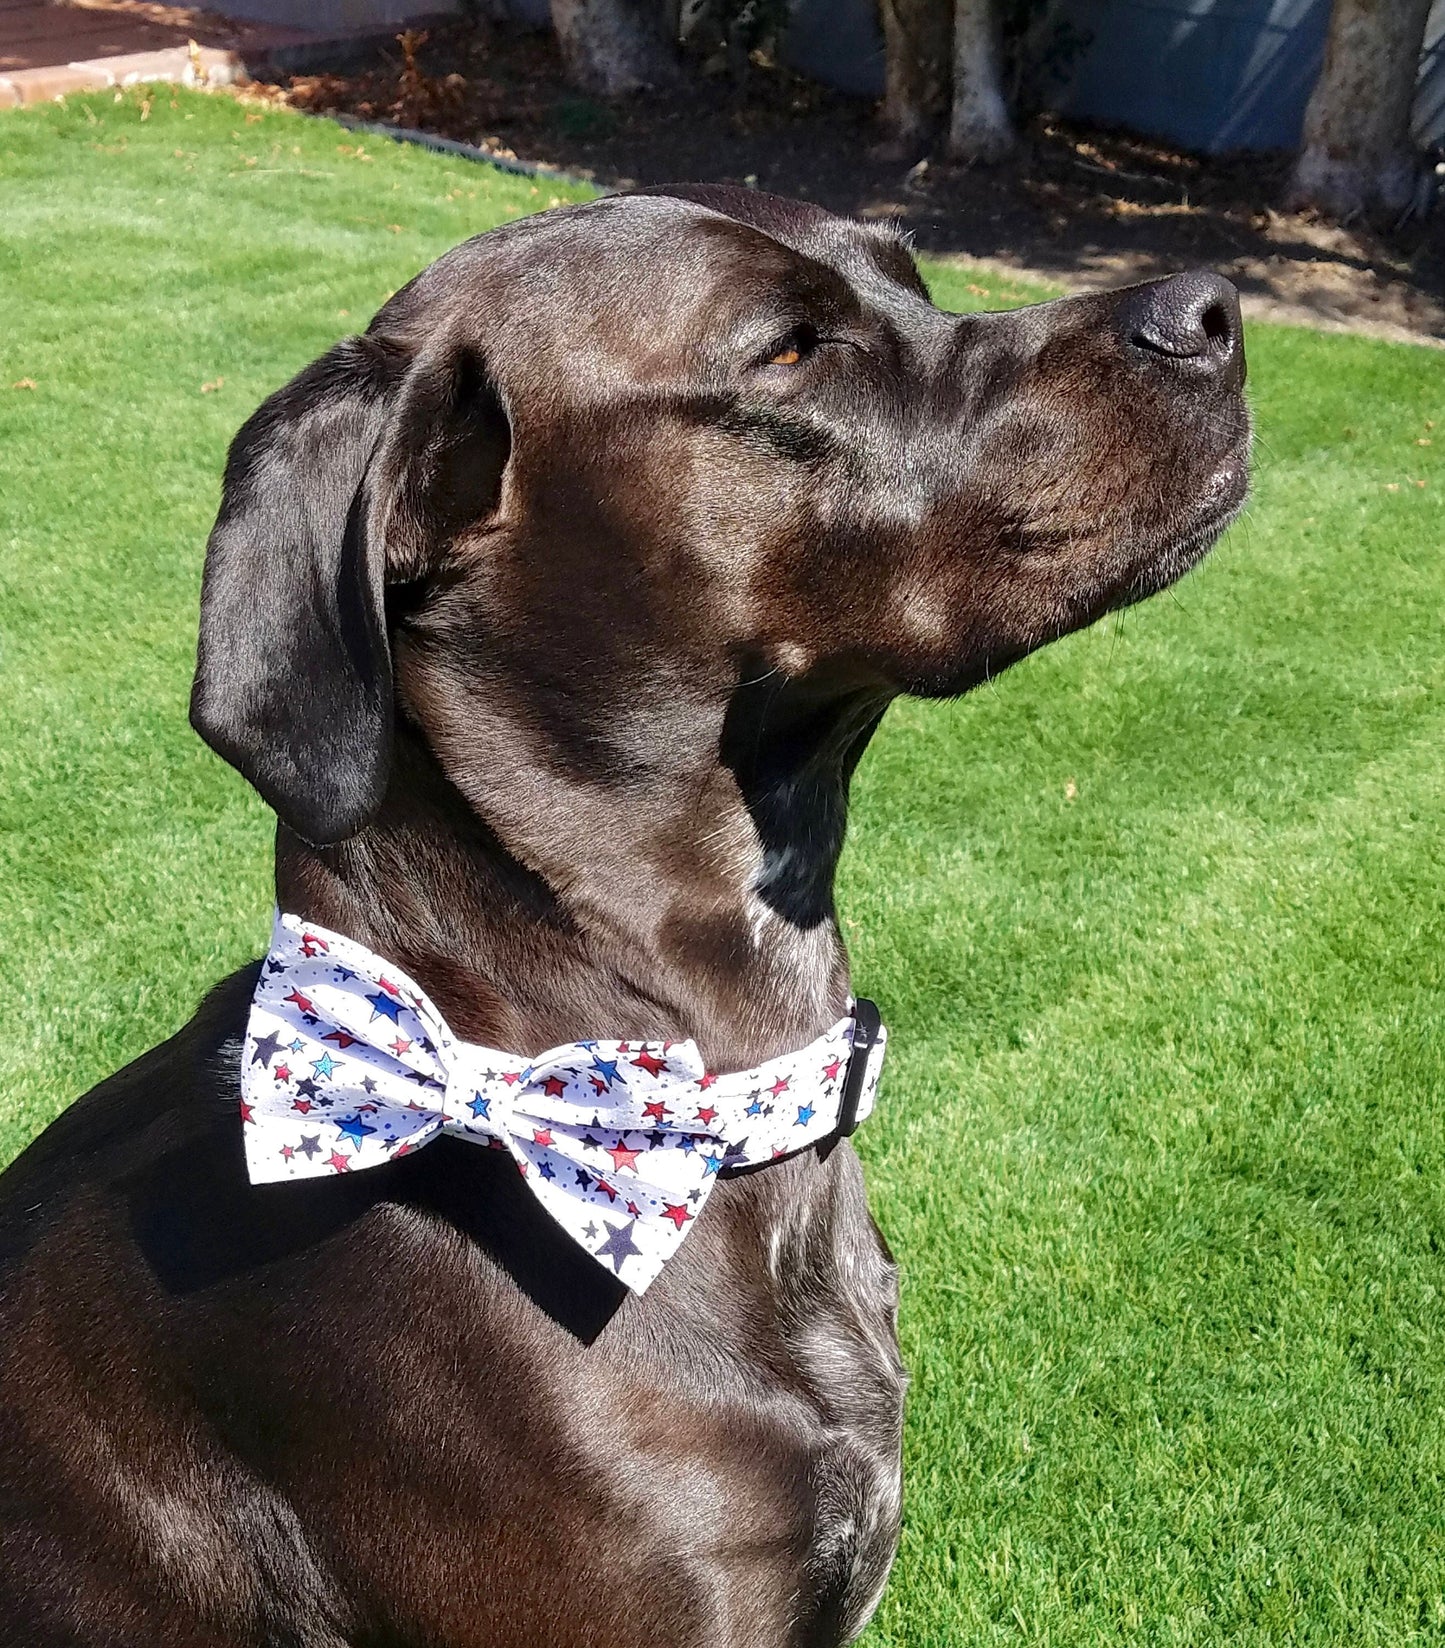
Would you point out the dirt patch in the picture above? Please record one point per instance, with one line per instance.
(1079, 207)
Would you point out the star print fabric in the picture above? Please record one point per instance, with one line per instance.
(348, 1064)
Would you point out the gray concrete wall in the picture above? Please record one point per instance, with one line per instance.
(1207, 74)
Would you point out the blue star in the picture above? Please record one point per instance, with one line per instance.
(687, 1144)
(481, 1107)
(384, 1006)
(354, 1128)
(755, 1108)
(805, 1115)
(343, 974)
(607, 1069)
(545, 1171)
(323, 1066)
(712, 1163)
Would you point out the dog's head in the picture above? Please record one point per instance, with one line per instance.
(636, 454)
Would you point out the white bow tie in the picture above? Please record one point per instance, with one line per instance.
(348, 1064)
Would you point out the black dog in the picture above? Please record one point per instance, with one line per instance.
(552, 616)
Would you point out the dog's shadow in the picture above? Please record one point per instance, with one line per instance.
(200, 1223)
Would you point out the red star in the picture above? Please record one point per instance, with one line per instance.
(650, 1062)
(342, 1039)
(512, 1077)
(390, 988)
(706, 1079)
(779, 1086)
(656, 1111)
(598, 1085)
(623, 1157)
(542, 1136)
(554, 1087)
(831, 1069)
(634, 1209)
(400, 1045)
(303, 1002)
(287, 1152)
(245, 1111)
(521, 1167)
(341, 1164)
(678, 1214)
(707, 1115)
(301, 1106)
(281, 1073)
(607, 1190)
(310, 944)
(405, 1149)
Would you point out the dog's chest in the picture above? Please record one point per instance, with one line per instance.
(795, 1424)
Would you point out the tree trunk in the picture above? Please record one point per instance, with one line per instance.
(1357, 155)
(979, 128)
(613, 47)
(918, 35)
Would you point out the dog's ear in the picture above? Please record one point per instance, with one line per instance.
(352, 476)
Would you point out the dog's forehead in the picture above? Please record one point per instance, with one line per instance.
(658, 255)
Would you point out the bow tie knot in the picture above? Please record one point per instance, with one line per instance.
(482, 1090)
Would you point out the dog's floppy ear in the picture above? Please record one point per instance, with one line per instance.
(351, 475)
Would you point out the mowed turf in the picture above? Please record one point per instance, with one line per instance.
(1156, 921)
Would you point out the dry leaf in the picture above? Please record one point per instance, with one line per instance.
(1392, 486)
(1071, 790)
(23, 383)
(211, 387)
(1424, 441)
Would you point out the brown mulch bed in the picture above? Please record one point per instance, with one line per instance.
(1079, 206)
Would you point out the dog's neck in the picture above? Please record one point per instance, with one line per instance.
(539, 900)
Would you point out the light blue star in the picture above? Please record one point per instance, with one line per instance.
(805, 1115)
(712, 1163)
(323, 1066)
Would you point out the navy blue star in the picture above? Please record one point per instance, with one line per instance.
(354, 1128)
(368, 1084)
(385, 1007)
(344, 974)
(590, 1232)
(307, 1088)
(595, 1144)
(311, 1145)
(584, 1180)
(618, 1246)
(265, 1049)
(274, 966)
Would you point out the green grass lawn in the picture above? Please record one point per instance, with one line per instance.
(1158, 922)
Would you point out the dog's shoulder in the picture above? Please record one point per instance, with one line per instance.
(177, 1097)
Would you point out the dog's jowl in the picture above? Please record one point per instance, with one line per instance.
(490, 1265)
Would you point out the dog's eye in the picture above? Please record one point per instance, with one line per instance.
(797, 346)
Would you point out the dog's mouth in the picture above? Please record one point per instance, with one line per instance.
(1181, 543)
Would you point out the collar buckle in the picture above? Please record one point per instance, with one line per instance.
(866, 1024)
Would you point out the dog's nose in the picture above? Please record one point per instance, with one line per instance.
(1189, 323)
